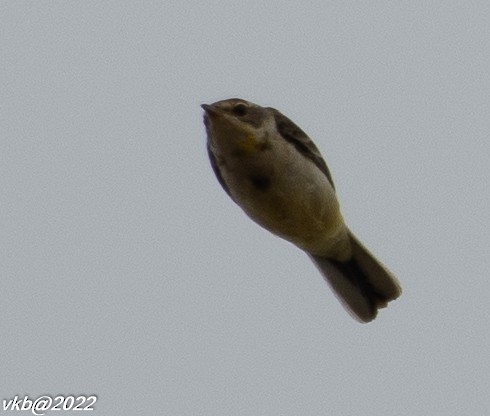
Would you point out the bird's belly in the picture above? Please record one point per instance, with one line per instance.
(298, 205)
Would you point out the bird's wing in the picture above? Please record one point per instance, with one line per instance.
(297, 137)
(216, 170)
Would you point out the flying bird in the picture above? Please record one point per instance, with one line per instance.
(276, 174)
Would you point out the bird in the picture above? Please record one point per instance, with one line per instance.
(275, 173)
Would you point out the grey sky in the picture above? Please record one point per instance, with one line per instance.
(128, 273)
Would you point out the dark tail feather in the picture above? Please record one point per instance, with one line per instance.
(362, 284)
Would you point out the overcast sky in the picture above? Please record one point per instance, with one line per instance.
(128, 273)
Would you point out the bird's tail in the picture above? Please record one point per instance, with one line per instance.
(362, 283)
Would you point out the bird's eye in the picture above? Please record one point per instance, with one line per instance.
(240, 109)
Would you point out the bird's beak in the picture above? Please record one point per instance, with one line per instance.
(209, 109)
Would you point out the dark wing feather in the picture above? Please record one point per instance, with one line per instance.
(294, 135)
(215, 166)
